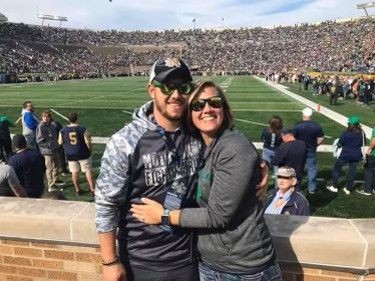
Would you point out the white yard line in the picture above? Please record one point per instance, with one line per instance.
(251, 122)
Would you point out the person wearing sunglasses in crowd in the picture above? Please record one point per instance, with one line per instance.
(234, 242)
(153, 156)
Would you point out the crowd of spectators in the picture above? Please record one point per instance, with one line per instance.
(328, 46)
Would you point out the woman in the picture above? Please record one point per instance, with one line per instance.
(351, 142)
(233, 240)
(271, 140)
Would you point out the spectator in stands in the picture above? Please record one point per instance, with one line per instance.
(5, 140)
(47, 140)
(351, 141)
(29, 166)
(271, 139)
(287, 200)
(29, 124)
(291, 153)
(77, 146)
(311, 133)
(9, 183)
(369, 187)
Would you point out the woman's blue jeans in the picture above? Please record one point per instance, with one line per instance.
(271, 273)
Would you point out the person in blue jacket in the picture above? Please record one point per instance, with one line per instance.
(351, 141)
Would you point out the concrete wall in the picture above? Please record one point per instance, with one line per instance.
(56, 240)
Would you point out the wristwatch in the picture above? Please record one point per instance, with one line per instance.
(165, 217)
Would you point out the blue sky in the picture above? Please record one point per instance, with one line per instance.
(177, 14)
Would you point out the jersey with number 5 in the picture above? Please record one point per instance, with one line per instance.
(73, 139)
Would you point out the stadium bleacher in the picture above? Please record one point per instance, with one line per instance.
(328, 46)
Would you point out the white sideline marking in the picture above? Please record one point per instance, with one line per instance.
(331, 114)
(59, 114)
(265, 110)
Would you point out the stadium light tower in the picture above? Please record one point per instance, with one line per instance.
(3, 18)
(48, 17)
(365, 6)
(51, 17)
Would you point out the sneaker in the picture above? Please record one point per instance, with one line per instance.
(311, 192)
(346, 191)
(60, 183)
(332, 188)
(52, 188)
(361, 191)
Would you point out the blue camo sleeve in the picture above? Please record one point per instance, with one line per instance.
(112, 183)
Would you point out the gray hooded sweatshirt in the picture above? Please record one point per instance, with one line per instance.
(237, 239)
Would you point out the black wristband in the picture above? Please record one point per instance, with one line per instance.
(112, 262)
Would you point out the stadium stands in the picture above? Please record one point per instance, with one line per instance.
(328, 46)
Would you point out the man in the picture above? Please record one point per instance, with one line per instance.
(5, 140)
(77, 146)
(29, 124)
(311, 133)
(151, 157)
(29, 167)
(46, 138)
(291, 153)
(9, 184)
(287, 200)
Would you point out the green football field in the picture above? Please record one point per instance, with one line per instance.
(105, 105)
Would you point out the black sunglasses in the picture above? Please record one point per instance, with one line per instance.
(199, 104)
(168, 90)
(286, 178)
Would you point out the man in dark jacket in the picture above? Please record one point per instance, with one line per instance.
(29, 166)
(292, 153)
(311, 133)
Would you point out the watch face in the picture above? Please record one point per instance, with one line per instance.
(164, 220)
(165, 217)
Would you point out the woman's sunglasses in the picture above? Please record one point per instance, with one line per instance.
(199, 104)
(168, 90)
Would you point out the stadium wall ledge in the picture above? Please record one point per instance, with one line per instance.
(44, 239)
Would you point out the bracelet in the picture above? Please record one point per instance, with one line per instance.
(112, 262)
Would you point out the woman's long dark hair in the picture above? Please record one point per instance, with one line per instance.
(276, 124)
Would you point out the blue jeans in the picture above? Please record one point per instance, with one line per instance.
(271, 273)
(310, 166)
(337, 171)
(370, 174)
(267, 155)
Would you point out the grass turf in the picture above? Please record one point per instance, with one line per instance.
(101, 103)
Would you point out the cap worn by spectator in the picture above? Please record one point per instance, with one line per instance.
(307, 112)
(19, 142)
(171, 71)
(286, 172)
(353, 120)
(286, 131)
